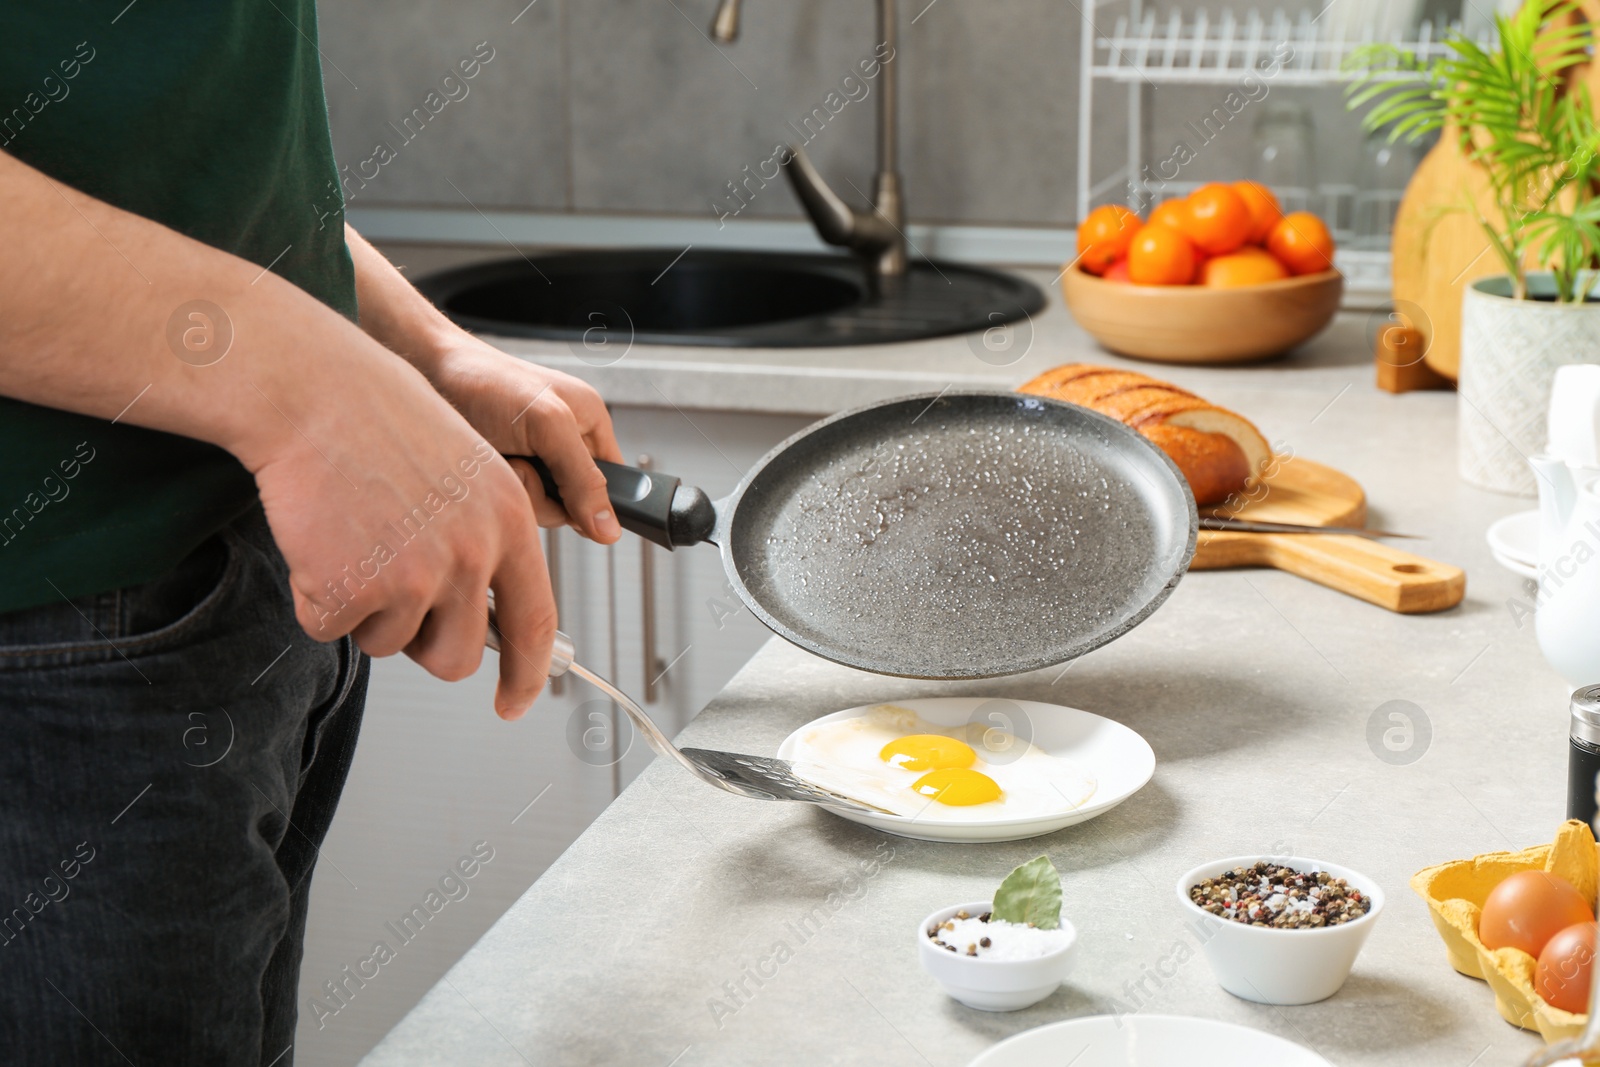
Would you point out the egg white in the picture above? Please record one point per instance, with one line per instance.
(843, 756)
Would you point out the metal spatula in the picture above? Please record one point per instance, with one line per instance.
(759, 777)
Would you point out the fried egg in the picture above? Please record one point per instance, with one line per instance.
(894, 759)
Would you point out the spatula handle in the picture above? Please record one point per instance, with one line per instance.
(561, 653)
(562, 660)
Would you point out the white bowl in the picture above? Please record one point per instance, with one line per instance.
(1272, 966)
(993, 985)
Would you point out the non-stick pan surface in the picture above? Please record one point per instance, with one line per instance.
(957, 535)
(962, 535)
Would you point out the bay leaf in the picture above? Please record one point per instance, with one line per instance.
(1030, 894)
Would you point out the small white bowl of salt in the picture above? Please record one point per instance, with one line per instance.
(1006, 954)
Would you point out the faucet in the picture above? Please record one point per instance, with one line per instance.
(876, 237)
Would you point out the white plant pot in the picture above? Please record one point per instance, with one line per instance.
(1510, 350)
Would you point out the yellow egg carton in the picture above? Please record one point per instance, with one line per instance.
(1455, 893)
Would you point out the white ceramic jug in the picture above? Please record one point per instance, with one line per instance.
(1574, 417)
(1568, 617)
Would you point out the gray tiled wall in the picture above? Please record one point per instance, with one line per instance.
(622, 106)
(504, 144)
(626, 106)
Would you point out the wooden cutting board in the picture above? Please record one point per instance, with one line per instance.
(1310, 494)
(1437, 248)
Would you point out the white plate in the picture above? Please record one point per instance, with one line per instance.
(1517, 567)
(1514, 543)
(1120, 761)
(1145, 1041)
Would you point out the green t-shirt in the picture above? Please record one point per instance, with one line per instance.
(208, 117)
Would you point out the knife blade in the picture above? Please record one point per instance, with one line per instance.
(1232, 525)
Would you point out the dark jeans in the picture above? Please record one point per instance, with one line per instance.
(170, 759)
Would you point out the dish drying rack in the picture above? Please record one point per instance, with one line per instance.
(1146, 48)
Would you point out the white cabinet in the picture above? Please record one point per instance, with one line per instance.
(436, 771)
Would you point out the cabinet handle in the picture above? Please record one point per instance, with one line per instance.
(647, 608)
(552, 559)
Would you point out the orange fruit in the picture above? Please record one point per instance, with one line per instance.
(1218, 219)
(1118, 271)
(1264, 209)
(1248, 266)
(1160, 255)
(1302, 243)
(1104, 236)
(1170, 213)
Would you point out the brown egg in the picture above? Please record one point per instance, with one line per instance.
(1562, 977)
(1529, 908)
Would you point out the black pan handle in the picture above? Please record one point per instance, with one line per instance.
(657, 507)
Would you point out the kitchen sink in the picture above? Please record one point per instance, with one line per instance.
(714, 297)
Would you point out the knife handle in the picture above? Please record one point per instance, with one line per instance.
(657, 507)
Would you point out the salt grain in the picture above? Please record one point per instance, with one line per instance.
(1000, 940)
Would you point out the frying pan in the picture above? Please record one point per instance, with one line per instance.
(951, 535)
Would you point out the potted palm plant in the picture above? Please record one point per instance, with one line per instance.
(1523, 119)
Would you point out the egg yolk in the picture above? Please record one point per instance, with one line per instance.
(928, 752)
(957, 786)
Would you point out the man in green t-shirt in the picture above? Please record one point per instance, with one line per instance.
(239, 452)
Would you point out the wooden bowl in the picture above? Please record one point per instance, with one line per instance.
(1197, 324)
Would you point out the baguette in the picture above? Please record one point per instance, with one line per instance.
(1219, 452)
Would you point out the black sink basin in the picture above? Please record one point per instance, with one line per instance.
(760, 299)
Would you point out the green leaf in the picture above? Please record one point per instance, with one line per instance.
(1030, 894)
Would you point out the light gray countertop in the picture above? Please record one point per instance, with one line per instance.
(1255, 689)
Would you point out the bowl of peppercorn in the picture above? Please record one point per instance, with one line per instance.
(1280, 930)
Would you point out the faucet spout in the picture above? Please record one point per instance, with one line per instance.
(725, 26)
(876, 237)
(870, 235)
